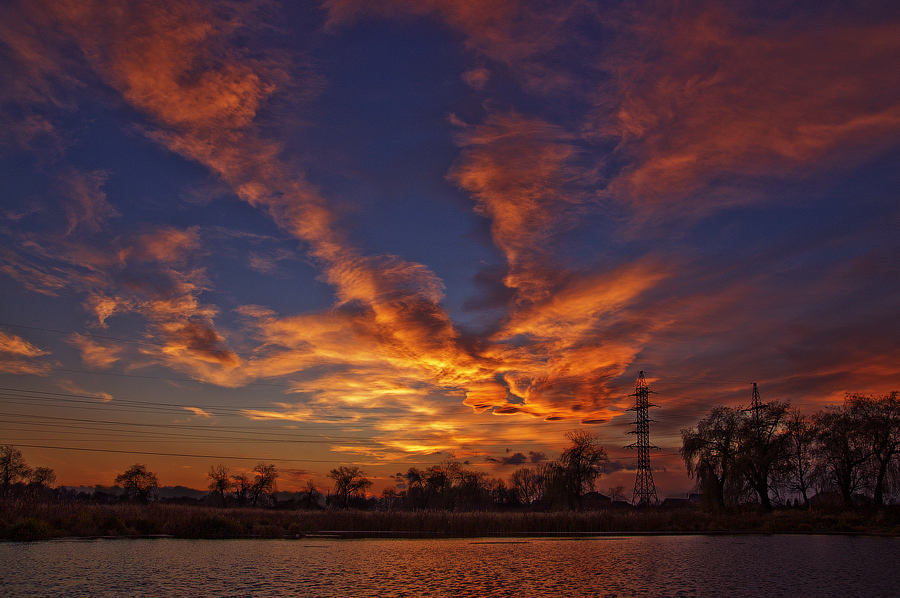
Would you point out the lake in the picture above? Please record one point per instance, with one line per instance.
(615, 566)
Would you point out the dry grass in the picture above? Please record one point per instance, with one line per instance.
(20, 520)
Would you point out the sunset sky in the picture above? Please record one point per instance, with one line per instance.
(395, 232)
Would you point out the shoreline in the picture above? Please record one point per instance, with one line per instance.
(523, 538)
(21, 520)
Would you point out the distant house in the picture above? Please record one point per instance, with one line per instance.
(673, 502)
(834, 500)
(592, 501)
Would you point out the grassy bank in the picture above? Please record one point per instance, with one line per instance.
(20, 520)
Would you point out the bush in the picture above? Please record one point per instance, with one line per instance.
(28, 530)
(215, 526)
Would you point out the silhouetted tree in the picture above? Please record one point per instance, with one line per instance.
(841, 450)
(219, 482)
(264, 481)
(12, 468)
(617, 494)
(415, 488)
(710, 453)
(310, 498)
(762, 448)
(138, 483)
(879, 427)
(349, 482)
(582, 464)
(39, 481)
(241, 485)
(800, 435)
(528, 485)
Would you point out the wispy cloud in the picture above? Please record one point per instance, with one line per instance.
(18, 356)
(199, 412)
(524, 175)
(703, 98)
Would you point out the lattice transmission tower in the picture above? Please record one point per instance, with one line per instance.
(756, 405)
(644, 489)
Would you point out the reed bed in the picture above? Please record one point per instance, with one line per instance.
(22, 520)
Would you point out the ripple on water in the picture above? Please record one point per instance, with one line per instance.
(660, 566)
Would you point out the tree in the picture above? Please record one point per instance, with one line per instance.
(800, 435)
(138, 483)
(582, 464)
(241, 485)
(349, 482)
(39, 481)
(841, 450)
(617, 494)
(264, 481)
(762, 448)
(710, 453)
(12, 467)
(527, 484)
(219, 482)
(879, 427)
(415, 487)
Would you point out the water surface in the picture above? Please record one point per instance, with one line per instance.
(764, 566)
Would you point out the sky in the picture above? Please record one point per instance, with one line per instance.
(397, 232)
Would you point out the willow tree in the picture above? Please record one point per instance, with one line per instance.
(763, 448)
(582, 464)
(879, 427)
(710, 453)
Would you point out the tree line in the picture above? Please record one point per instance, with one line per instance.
(451, 485)
(771, 452)
(767, 454)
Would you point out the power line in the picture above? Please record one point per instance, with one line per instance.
(228, 457)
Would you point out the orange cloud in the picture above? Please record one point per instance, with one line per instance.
(387, 341)
(199, 412)
(699, 97)
(95, 354)
(521, 172)
(73, 388)
(164, 245)
(16, 345)
(16, 356)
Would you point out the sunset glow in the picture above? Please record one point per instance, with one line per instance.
(397, 232)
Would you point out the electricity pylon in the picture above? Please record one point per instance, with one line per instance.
(644, 489)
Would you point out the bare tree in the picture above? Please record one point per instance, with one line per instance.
(39, 481)
(12, 468)
(241, 485)
(841, 450)
(528, 485)
(617, 494)
(349, 481)
(800, 435)
(264, 482)
(138, 483)
(219, 482)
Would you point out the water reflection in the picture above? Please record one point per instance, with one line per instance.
(609, 567)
